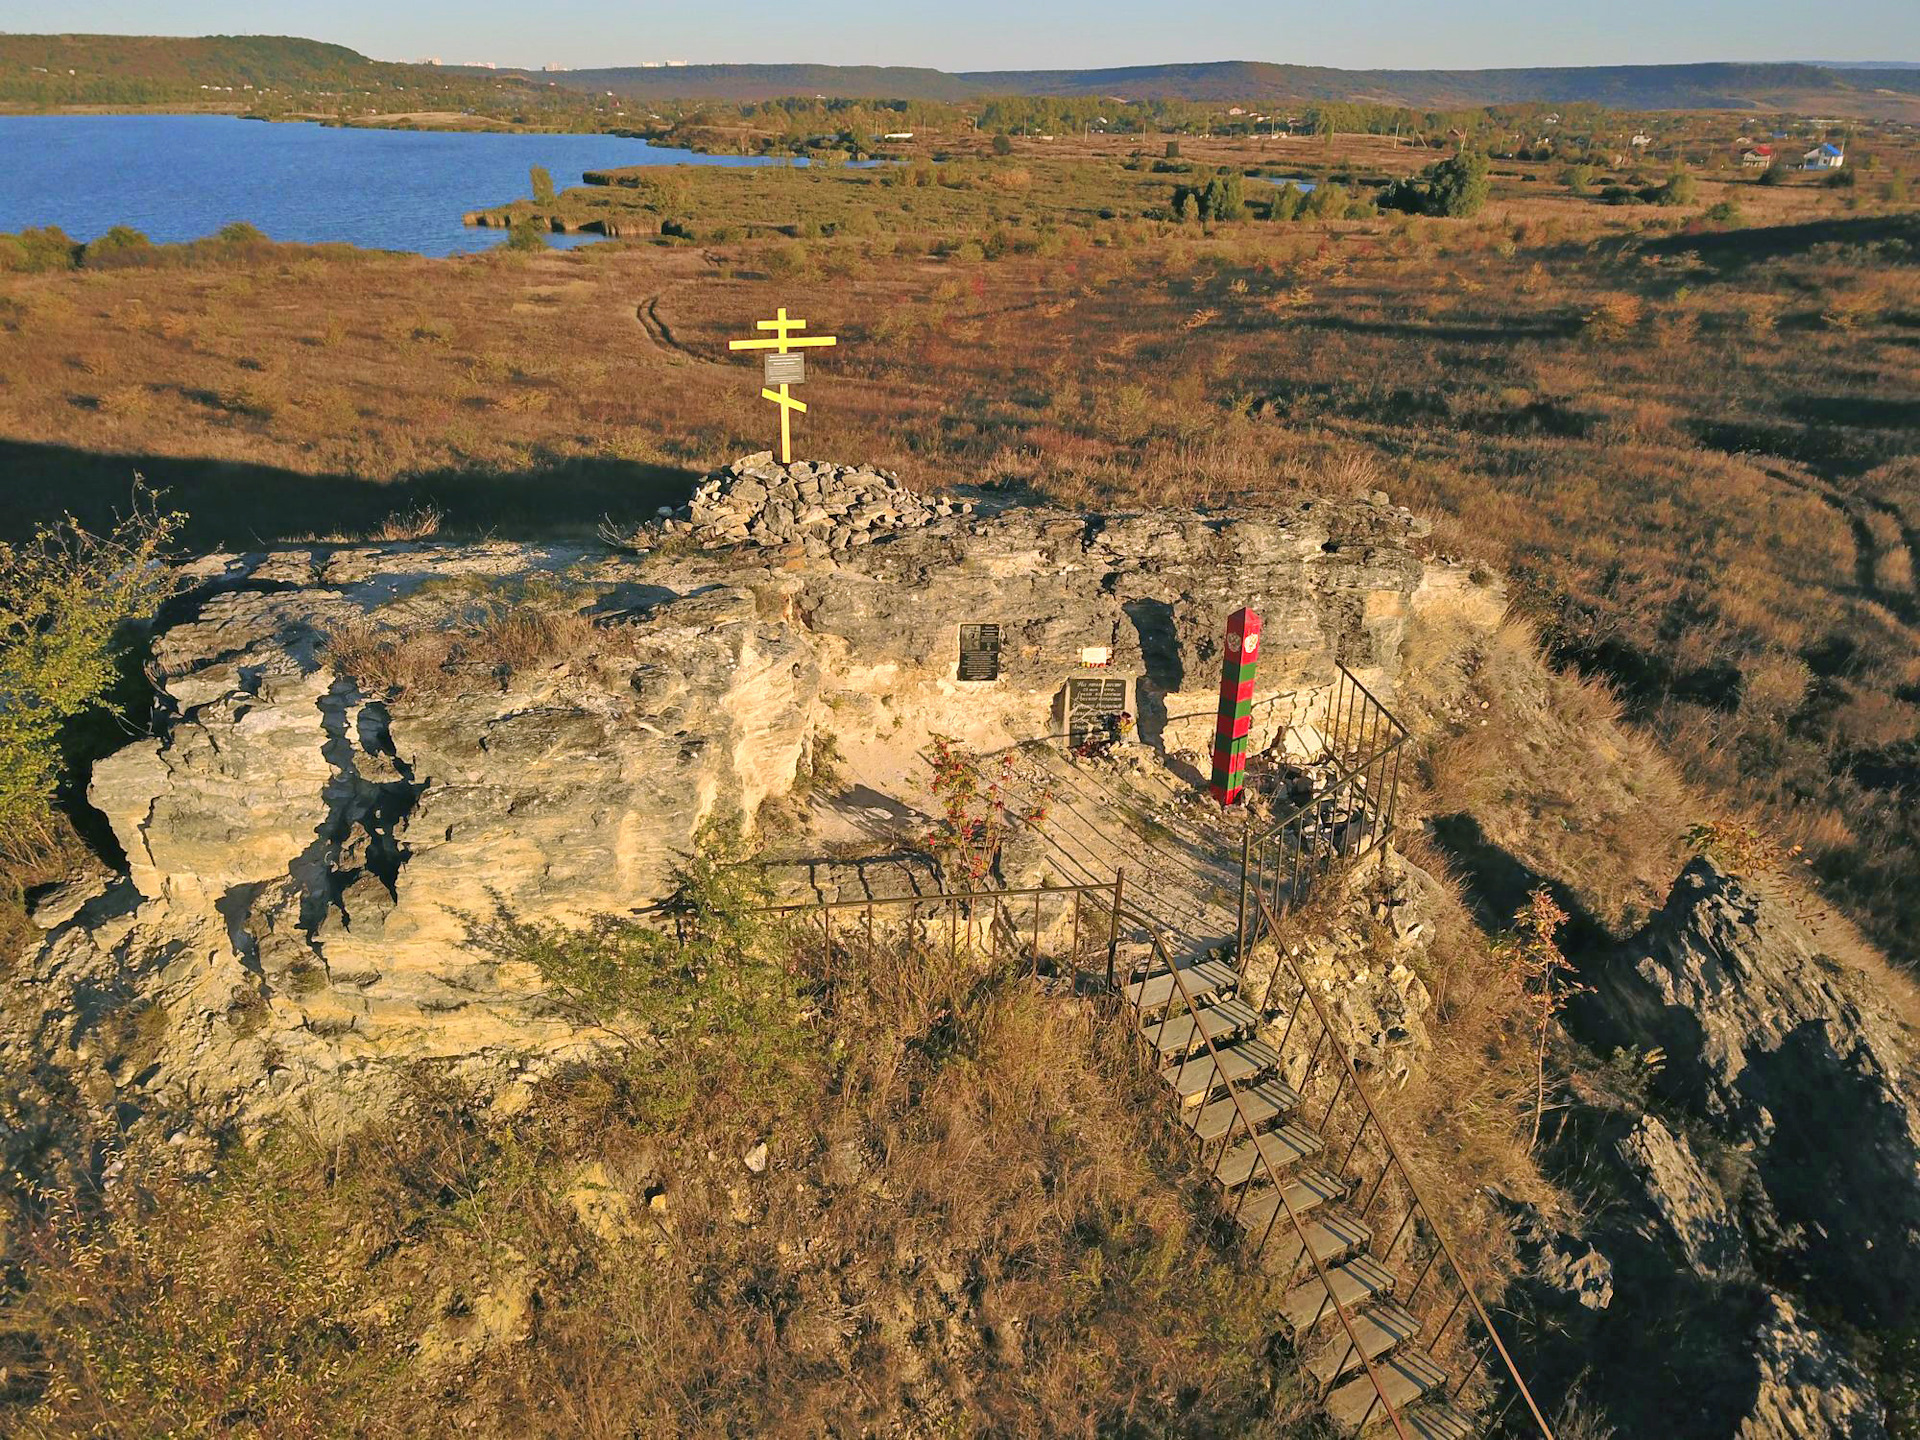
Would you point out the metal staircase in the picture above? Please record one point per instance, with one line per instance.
(1266, 1152)
(1384, 1322)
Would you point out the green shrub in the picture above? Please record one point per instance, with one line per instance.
(64, 597)
(1002, 144)
(542, 183)
(528, 233)
(1456, 188)
(32, 251)
(1726, 212)
(119, 246)
(1327, 202)
(1221, 198)
(1577, 178)
(1679, 188)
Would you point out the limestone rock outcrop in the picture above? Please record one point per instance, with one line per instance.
(362, 754)
(1808, 1389)
(1788, 1055)
(1772, 1167)
(1696, 1213)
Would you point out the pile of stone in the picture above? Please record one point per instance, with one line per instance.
(819, 506)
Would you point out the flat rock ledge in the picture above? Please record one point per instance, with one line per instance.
(823, 507)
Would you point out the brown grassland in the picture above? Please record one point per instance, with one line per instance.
(1692, 445)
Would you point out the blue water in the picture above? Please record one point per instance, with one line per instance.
(178, 177)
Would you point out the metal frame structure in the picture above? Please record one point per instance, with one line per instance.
(1341, 823)
(1418, 1214)
(972, 917)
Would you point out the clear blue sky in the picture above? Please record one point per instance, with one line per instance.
(1017, 34)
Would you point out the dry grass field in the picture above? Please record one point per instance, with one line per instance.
(1693, 444)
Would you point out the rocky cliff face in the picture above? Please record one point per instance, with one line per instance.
(311, 840)
(1787, 1055)
(1777, 1174)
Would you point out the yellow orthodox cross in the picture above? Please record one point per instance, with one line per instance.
(781, 343)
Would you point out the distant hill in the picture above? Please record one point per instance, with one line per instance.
(762, 82)
(110, 69)
(163, 61)
(1628, 87)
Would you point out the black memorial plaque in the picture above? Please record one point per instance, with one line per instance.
(979, 652)
(1091, 704)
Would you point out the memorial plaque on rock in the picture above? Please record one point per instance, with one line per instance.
(979, 652)
(1092, 703)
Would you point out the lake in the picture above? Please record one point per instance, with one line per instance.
(178, 177)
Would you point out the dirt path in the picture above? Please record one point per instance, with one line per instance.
(1899, 602)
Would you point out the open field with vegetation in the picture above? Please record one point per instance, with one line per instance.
(1689, 439)
(1676, 402)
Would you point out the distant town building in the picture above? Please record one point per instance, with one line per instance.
(1824, 157)
(899, 135)
(1758, 158)
(553, 69)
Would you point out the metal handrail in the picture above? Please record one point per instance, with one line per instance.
(1406, 1175)
(1273, 1178)
(1342, 777)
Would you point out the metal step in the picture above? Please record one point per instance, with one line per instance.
(1333, 1237)
(1283, 1148)
(1358, 1282)
(1306, 1192)
(1179, 1032)
(1405, 1377)
(1209, 977)
(1437, 1420)
(1260, 1103)
(1199, 1077)
(1378, 1329)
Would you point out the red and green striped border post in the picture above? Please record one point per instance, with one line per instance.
(1236, 706)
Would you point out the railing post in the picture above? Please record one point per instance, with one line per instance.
(1036, 935)
(1240, 925)
(1113, 921)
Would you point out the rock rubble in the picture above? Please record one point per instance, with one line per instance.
(822, 507)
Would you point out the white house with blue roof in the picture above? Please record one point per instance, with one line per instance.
(1824, 156)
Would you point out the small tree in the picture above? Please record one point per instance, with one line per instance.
(1287, 201)
(976, 812)
(542, 185)
(1577, 178)
(1002, 143)
(1535, 963)
(1222, 199)
(1458, 186)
